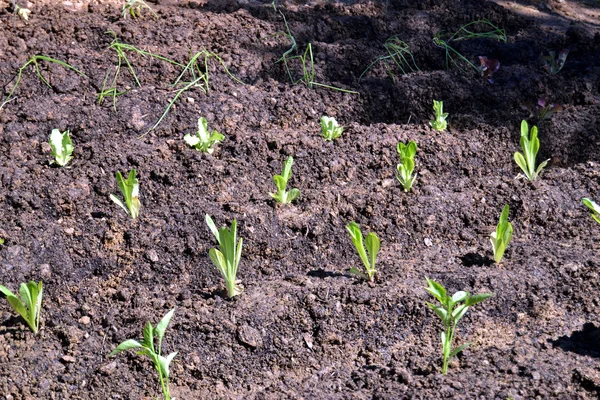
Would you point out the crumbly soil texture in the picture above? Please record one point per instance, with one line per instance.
(303, 328)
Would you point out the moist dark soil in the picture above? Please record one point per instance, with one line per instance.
(303, 328)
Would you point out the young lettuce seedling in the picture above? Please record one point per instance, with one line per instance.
(439, 123)
(330, 128)
(130, 191)
(592, 205)
(552, 62)
(227, 259)
(530, 145)
(541, 110)
(147, 348)
(501, 237)
(407, 164)
(30, 305)
(488, 67)
(203, 141)
(282, 196)
(372, 250)
(61, 146)
(451, 310)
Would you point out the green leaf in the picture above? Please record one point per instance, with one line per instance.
(19, 307)
(281, 183)
(357, 238)
(459, 296)
(437, 290)
(191, 140)
(520, 160)
(373, 245)
(6, 291)
(218, 260)
(213, 228)
(459, 312)
(119, 202)
(126, 345)
(477, 298)
(441, 312)
(161, 327)
(541, 166)
(458, 349)
(293, 194)
(148, 336)
(287, 169)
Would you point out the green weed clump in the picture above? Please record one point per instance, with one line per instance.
(29, 306)
(147, 348)
(450, 310)
(399, 53)
(134, 8)
(368, 255)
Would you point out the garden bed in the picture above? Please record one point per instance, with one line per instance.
(303, 327)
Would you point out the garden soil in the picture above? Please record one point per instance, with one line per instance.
(303, 328)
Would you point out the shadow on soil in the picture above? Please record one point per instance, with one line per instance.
(585, 342)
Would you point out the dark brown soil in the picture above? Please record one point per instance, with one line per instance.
(303, 328)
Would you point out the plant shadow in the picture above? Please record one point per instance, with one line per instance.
(476, 260)
(585, 342)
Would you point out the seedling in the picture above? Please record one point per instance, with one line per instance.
(488, 68)
(330, 128)
(307, 63)
(227, 259)
(202, 140)
(530, 145)
(130, 191)
(147, 348)
(404, 170)
(35, 60)
(61, 146)
(439, 123)
(282, 196)
(22, 12)
(399, 53)
(451, 310)
(592, 205)
(134, 8)
(541, 110)
(501, 237)
(372, 249)
(552, 62)
(29, 306)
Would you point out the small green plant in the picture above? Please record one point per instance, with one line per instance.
(399, 53)
(439, 123)
(202, 140)
(35, 61)
(451, 310)
(530, 145)
(227, 259)
(282, 196)
(22, 12)
(592, 205)
(368, 255)
(404, 170)
(501, 237)
(330, 128)
(29, 306)
(130, 191)
(147, 348)
(61, 146)
(134, 9)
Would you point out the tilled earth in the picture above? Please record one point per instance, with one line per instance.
(303, 327)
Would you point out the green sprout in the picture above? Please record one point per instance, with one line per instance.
(134, 8)
(61, 146)
(203, 141)
(439, 123)
(592, 205)
(372, 249)
(530, 145)
(450, 312)
(399, 53)
(147, 348)
(130, 191)
(34, 60)
(404, 170)
(501, 237)
(283, 196)
(29, 306)
(22, 12)
(330, 128)
(227, 259)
